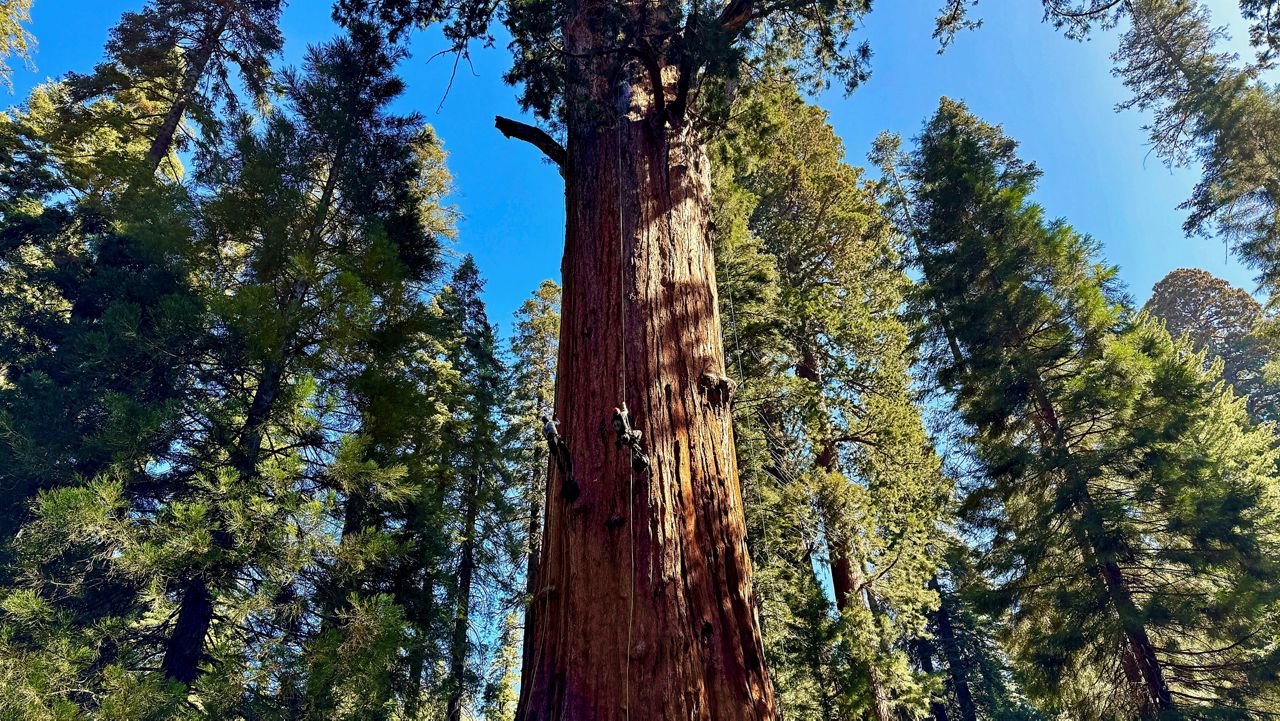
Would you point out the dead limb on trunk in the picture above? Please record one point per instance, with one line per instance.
(534, 136)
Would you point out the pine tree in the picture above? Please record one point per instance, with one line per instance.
(1124, 490)
(179, 56)
(311, 269)
(484, 517)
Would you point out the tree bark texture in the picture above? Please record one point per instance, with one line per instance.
(184, 648)
(644, 607)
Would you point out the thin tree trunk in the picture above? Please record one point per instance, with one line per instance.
(248, 448)
(185, 646)
(924, 656)
(846, 579)
(421, 616)
(199, 63)
(534, 550)
(1141, 666)
(957, 669)
(462, 614)
(644, 608)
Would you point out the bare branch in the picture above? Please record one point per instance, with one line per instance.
(534, 136)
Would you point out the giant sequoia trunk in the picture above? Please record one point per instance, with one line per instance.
(644, 608)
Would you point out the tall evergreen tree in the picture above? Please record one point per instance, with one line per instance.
(1124, 490)
(484, 529)
(1223, 322)
(180, 56)
(533, 358)
(309, 268)
(633, 87)
(839, 388)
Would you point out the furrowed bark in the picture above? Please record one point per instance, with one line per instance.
(678, 638)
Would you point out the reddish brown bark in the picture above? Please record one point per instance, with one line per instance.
(644, 608)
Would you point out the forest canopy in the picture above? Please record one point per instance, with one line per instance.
(803, 429)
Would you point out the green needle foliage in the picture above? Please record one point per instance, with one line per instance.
(15, 39)
(840, 466)
(1127, 502)
(263, 454)
(1222, 322)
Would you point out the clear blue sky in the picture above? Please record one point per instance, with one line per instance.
(1056, 96)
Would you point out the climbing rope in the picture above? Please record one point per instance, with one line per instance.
(622, 373)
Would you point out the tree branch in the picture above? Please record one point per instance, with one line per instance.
(534, 136)
(735, 15)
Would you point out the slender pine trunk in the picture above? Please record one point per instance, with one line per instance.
(534, 548)
(198, 64)
(420, 616)
(923, 651)
(949, 644)
(193, 622)
(459, 645)
(184, 648)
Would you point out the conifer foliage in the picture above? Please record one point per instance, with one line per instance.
(1125, 494)
(910, 450)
